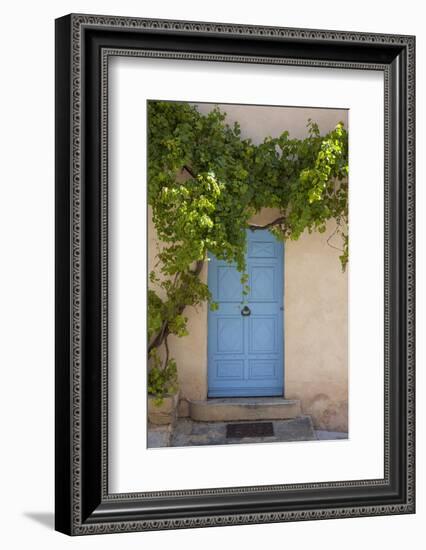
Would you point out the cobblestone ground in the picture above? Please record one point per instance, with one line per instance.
(188, 433)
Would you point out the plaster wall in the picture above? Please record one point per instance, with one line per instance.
(315, 295)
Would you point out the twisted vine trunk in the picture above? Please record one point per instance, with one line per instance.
(164, 332)
(279, 221)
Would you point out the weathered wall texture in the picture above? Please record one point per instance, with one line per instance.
(315, 296)
(316, 330)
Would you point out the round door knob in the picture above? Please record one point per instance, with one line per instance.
(245, 312)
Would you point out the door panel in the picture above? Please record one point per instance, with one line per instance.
(262, 369)
(228, 284)
(230, 334)
(263, 334)
(245, 353)
(231, 370)
(262, 283)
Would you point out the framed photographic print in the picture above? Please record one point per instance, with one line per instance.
(234, 274)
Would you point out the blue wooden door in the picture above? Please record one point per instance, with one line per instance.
(245, 352)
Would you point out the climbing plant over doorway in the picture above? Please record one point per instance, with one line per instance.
(205, 183)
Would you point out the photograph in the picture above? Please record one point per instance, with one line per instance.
(248, 263)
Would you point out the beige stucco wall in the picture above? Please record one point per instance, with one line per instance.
(315, 296)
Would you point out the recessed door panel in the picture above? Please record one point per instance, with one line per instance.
(263, 369)
(262, 283)
(231, 370)
(228, 284)
(263, 334)
(230, 335)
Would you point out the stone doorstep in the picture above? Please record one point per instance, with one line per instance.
(244, 408)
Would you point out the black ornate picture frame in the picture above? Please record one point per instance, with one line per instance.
(84, 44)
